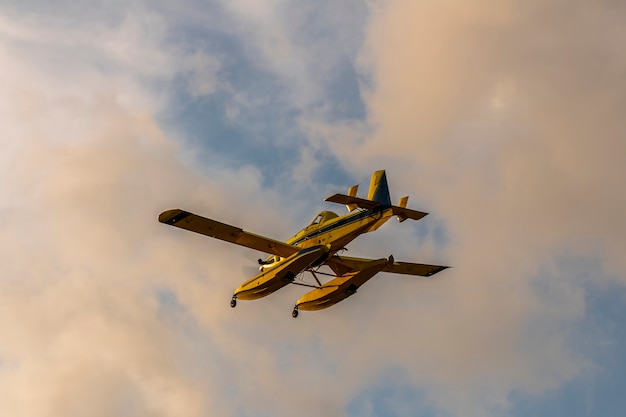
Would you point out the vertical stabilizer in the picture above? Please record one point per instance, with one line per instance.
(379, 190)
(402, 204)
(352, 193)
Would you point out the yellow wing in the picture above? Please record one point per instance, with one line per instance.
(408, 268)
(343, 264)
(222, 231)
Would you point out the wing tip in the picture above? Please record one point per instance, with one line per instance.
(437, 270)
(172, 216)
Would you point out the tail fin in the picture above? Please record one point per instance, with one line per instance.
(402, 216)
(352, 193)
(377, 198)
(379, 190)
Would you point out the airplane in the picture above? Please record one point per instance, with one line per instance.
(316, 245)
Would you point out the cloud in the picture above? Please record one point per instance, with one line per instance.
(506, 119)
(483, 115)
(103, 311)
(200, 70)
(306, 47)
(83, 166)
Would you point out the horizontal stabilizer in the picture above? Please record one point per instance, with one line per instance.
(405, 213)
(402, 212)
(349, 200)
(222, 231)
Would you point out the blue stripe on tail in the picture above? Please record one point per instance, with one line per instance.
(379, 190)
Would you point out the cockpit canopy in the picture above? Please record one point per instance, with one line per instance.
(323, 217)
(320, 218)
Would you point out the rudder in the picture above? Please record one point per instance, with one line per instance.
(379, 190)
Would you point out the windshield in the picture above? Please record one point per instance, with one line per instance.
(323, 217)
(318, 219)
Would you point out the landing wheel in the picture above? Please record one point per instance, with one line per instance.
(294, 313)
(233, 302)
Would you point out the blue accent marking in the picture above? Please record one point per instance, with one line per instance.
(381, 193)
(311, 249)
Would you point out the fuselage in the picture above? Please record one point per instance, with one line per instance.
(329, 232)
(336, 232)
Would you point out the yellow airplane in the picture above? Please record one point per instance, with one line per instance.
(316, 245)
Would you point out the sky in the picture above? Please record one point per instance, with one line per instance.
(504, 121)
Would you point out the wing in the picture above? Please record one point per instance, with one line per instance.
(212, 228)
(343, 264)
(408, 268)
